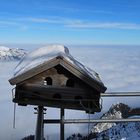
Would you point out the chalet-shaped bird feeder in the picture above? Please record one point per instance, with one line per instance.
(50, 76)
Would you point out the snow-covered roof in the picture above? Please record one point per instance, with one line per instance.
(39, 56)
(44, 54)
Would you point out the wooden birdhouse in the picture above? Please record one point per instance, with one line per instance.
(51, 77)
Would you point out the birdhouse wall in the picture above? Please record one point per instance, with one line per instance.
(56, 84)
(40, 79)
(53, 77)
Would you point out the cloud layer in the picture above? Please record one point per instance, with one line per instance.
(118, 67)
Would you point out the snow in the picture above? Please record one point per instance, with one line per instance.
(117, 131)
(7, 54)
(3, 48)
(122, 131)
(4, 51)
(47, 53)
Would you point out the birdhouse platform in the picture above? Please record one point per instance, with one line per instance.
(51, 77)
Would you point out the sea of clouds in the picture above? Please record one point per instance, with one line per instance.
(118, 67)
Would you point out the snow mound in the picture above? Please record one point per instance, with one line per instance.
(49, 52)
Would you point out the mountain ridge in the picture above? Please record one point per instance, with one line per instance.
(11, 54)
(118, 131)
(114, 131)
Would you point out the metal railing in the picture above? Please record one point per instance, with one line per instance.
(63, 121)
(120, 94)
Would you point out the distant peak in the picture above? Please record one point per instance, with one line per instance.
(3, 48)
(120, 107)
(8, 54)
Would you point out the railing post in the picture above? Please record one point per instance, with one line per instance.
(39, 125)
(62, 114)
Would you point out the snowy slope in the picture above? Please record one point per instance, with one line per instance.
(117, 111)
(7, 54)
(117, 131)
(113, 131)
(121, 131)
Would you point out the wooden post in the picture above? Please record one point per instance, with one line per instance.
(40, 124)
(62, 114)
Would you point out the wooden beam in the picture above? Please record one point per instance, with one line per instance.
(56, 104)
(52, 121)
(54, 89)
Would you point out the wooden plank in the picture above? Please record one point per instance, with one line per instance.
(55, 89)
(53, 103)
(54, 121)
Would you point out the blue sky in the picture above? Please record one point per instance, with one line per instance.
(70, 21)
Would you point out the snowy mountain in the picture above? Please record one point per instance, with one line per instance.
(7, 54)
(118, 131)
(114, 131)
(117, 111)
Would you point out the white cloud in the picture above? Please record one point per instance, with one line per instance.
(42, 20)
(12, 23)
(23, 23)
(8, 22)
(84, 24)
(104, 25)
(53, 19)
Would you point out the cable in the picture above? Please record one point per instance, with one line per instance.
(89, 120)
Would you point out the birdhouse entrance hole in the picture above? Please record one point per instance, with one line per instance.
(70, 83)
(48, 81)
